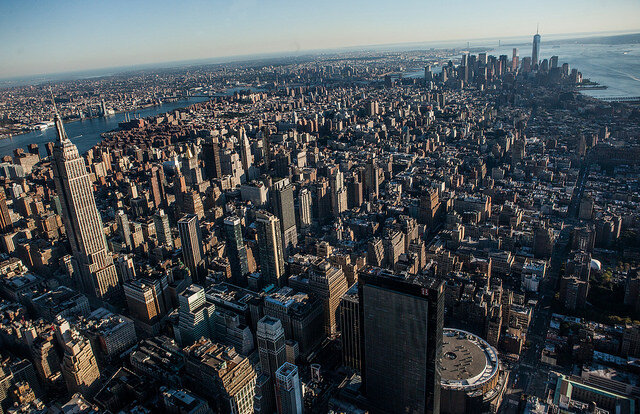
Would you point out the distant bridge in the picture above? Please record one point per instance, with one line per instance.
(621, 99)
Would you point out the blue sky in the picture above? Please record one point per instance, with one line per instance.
(51, 36)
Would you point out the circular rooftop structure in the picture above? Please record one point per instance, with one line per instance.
(468, 362)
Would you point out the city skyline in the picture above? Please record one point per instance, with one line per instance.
(398, 229)
(121, 35)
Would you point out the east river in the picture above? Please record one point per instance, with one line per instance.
(86, 133)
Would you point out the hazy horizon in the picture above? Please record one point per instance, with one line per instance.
(42, 38)
(482, 43)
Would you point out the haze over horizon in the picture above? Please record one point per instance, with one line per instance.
(47, 38)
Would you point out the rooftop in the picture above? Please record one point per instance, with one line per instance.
(467, 361)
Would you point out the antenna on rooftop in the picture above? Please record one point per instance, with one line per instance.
(53, 99)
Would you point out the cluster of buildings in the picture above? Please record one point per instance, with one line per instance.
(301, 246)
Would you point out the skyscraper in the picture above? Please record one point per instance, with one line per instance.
(283, 208)
(266, 147)
(338, 193)
(273, 353)
(219, 372)
(289, 390)
(5, 218)
(428, 75)
(124, 231)
(270, 248)
(211, 156)
(79, 366)
(192, 204)
(535, 52)
(192, 253)
(328, 283)
(372, 180)
(304, 207)
(350, 328)
(401, 331)
(148, 301)
(236, 250)
(271, 347)
(156, 182)
(245, 155)
(163, 229)
(195, 315)
(82, 221)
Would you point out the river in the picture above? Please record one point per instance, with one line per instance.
(616, 66)
(86, 133)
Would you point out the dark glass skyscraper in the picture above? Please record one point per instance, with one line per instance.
(535, 52)
(401, 330)
(284, 209)
(211, 157)
(236, 250)
(270, 248)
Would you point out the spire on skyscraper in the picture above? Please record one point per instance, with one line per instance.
(62, 135)
(82, 221)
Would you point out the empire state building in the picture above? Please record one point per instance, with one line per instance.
(81, 219)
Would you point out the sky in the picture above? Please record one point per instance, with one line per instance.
(54, 36)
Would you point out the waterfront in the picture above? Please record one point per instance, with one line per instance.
(86, 133)
(616, 66)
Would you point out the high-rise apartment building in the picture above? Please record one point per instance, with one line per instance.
(5, 219)
(195, 315)
(220, 372)
(156, 182)
(236, 250)
(289, 390)
(282, 205)
(192, 253)
(328, 283)
(304, 207)
(122, 222)
(338, 193)
(163, 228)
(192, 204)
(79, 366)
(372, 180)
(401, 331)
(270, 248)
(81, 218)
(146, 299)
(45, 358)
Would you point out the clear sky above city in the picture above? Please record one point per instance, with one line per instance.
(40, 37)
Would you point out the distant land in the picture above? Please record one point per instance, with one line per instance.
(623, 39)
(476, 45)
